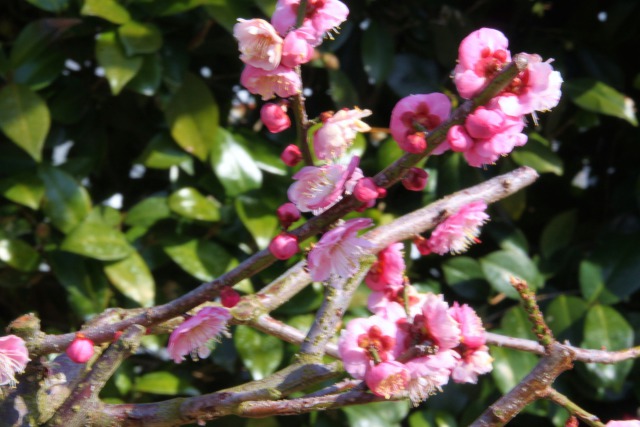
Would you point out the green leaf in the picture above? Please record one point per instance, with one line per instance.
(203, 259)
(66, 203)
(164, 383)
(148, 211)
(377, 52)
(606, 328)
(537, 154)
(110, 10)
(24, 118)
(172, 7)
(381, 414)
(465, 277)
(26, 189)
(593, 95)
(163, 153)
(139, 38)
(18, 254)
(233, 165)
(260, 353)
(96, 239)
(500, 266)
(39, 71)
(132, 277)
(341, 90)
(258, 218)
(192, 115)
(564, 316)
(87, 287)
(118, 68)
(190, 203)
(36, 38)
(558, 233)
(55, 6)
(148, 79)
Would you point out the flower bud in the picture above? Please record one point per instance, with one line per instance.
(284, 246)
(415, 180)
(288, 213)
(415, 143)
(291, 155)
(366, 190)
(81, 349)
(229, 297)
(275, 117)
(296, 49)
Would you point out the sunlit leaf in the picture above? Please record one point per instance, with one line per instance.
(190, 203)
(66, 202)
(18, 254)
(132, 277)
(500, 266)
(203, 259)
(593, 95)
(260, 353)
(233, 165)
(137, 37)
(96, 239)
(118, 68)
(164, 383)
(26, 189)
(110, 10)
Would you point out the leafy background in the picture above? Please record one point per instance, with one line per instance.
(133, 167)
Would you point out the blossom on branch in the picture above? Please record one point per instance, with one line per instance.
(320, 17)
(388, 269)
(259, 44)
(281, 81)
(414, 116)
(457, 232)
(14, 357)
(338, 132)
(194, 334)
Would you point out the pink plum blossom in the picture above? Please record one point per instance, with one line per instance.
(388, 379)
(392, 301)
(429, 374)
(193, 335)
(338, 250)
(366, 190)
(414, 115)
(481, 55)
(282, 81)
(14, 357)
(296, 49)
(388, 269)
(284, 246)
(473, 362)
(367, 341)
(459, 230)
(317, 188)
(320, 17)
(435, 325)
(471, 329)
(338, 132)
(275, 117)
(259, 44)
(81, 349)
(625, 423)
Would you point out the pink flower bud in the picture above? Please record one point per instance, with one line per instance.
(275, 117)
(284, 246)
(291, 155)
(415, 143)
(288, 214)
(415, 180)
(296, 49)
(229, 297)
(366, 190)
(81, 349)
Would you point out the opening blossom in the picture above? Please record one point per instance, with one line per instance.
(320, 17)
(193, 335)
(457, 232)
(338, 250)
(259, 44)
(388, 269)
(275, 117)
(281, 81)
(14, 357)
(414, 115)
(338, 132)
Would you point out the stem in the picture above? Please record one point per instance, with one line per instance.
(540, 328)
(302, 125)
(562, 400)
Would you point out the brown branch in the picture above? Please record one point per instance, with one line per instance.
(573, 409)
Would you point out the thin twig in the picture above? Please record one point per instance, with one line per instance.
(573, 409)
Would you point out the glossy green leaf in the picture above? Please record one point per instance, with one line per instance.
(148, 211)
(558, 233)
(377, 52)
(507, 236)
(24, 118)
(54, 6)
(465, 277)
(96, 239)
(564, 316)
(510, 366)
(163, 153)
(35, 39)
(118, 68)
(537, 154)
(26, 189)
(259, 219)
(381, 414)
(18, 254)
(148, 79)
(110, 10)
(83, 280)
(593, 95)
(132, 277)
(264, 153)
(138, 38)
(66, 202)
(192, 115)
(341, 90)
(500, 266)
(606, 328)
(233, 165)
(260, 353)
(164, 383)
(190, 203)
(203, 259)
(39, 71)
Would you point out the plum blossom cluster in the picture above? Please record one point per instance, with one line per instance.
(414, 343)
(492, 130)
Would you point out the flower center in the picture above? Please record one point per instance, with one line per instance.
(490, 63)
(375, 344)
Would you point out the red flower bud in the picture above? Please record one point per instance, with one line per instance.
(284, 246)
(415, 179)
(291, 155)
(366, 190)
(288, 214)
(422, 244)
(229, 297)
(81, 349)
